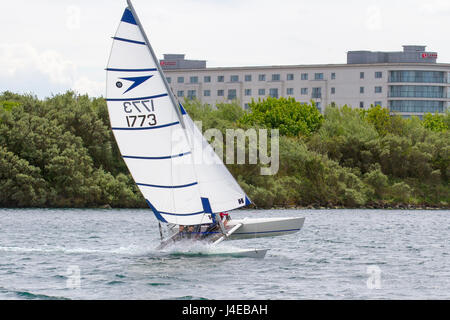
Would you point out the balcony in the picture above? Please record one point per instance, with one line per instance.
(316, 93)
(408, 91)
(418, 76)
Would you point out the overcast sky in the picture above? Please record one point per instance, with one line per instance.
(50, 46)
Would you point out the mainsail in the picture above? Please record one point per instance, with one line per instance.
(177, 171)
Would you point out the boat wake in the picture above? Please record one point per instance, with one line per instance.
(127, 250)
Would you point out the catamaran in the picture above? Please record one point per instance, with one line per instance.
(182, 179)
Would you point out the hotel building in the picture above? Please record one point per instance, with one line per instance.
(408, 82)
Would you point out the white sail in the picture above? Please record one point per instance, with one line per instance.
(153, 139)
(215, 181)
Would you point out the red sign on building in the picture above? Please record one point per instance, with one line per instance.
(429, 55)
(168, 63)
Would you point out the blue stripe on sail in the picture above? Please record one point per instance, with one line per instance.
(149, 128)
(183, 111)
(157, 158)
(206, 205)
(140, 98)
(128, 17)
(182, 214)
(159, 216)
(131, 70)
(167, 187)
(129, 40)
(247, 201)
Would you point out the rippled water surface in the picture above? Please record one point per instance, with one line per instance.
(339, 254)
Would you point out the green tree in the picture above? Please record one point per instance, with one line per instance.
(60, 152)
(21, 184)
(292, 118)
(347, 138)
(380, 118)
(436, 122)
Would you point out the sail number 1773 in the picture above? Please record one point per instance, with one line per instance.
(145, 108)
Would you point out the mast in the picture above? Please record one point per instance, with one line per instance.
(158, 66)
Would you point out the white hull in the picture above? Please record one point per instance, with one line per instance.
(265, 227)
(236, 253)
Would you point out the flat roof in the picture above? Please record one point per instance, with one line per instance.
(312, 66)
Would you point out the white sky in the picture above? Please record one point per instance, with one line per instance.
(49, 46)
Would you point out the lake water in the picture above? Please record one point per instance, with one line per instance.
(339, 254)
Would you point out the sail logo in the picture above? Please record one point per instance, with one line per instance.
(136, 81)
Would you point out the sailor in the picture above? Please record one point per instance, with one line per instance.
(190, 230)
(211, 229)
(181, 231)
(197, 231)
(226, 216)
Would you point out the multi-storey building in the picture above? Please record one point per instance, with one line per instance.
(408, 82)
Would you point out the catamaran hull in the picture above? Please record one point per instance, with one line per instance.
(236, 253)
(264, 227)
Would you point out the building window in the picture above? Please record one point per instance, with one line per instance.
(248, 77)
(248, 92)
(273, 92)
(378, 75)
(319, 106)
(220, 93)
(220, 78)
(193, 79)
(417, 106)
(290, 76)
(361, 75)
(207, 79)
(246, 106)
(192, 94)
(316, 93)
(275, 77)
(377, 103)
(180, 93)
(318, 76)
(290, 91)
(234, 78)
(418, 76)
(361, 89)
(378, 89)
(169, 80)
(231, 94)
(180, 79)
(417, 91)
(361, 104)
(262, 92)
(207, 93)
(333, 90)
(304, 90)
(262, 77)
(333, 76)
(304, 76)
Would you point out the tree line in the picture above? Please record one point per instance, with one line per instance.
(60, 152)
